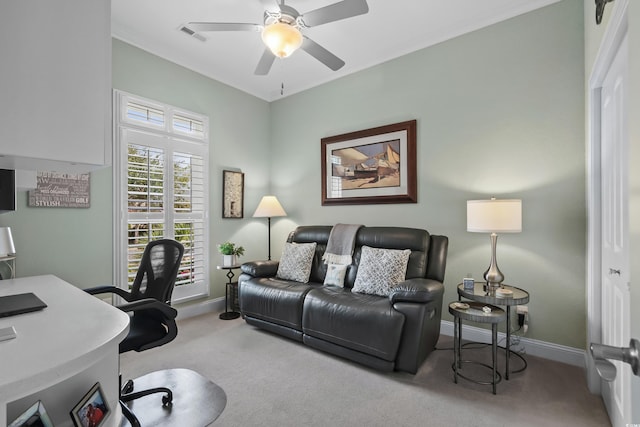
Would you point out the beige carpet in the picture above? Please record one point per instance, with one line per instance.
(273, 381)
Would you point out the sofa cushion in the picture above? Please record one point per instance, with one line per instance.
(417, 240)
(380, 270)
(273, 300)
(295, 263)
(365, 323)
(318, 234)
(335, 275)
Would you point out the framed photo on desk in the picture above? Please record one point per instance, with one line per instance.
(92, 409)
(36, 415)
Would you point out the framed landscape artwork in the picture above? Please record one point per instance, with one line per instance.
(370, 166)
(232, 194)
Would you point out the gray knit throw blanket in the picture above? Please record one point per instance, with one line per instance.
(342, 241)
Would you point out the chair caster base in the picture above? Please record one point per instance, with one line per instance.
(127, 388)
(166, 400)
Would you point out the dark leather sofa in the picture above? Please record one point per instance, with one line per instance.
(386, 333)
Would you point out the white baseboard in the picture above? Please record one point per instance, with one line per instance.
(196, 309)
(556, 352)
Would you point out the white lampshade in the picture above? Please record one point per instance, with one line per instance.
(6, 242)
(282, 39)
(269, 207)
(494, 216)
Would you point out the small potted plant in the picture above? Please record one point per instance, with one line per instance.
(229, 253)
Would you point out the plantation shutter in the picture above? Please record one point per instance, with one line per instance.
(188, 206)
(161, 159)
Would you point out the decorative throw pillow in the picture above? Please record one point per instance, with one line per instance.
(335, 274)
(380, 270)
(295, 262)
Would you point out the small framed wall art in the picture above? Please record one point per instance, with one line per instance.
(232, 194)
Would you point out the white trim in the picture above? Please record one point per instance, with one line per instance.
(594, 237)
(115, 196)
(123, 98)
(208, 306)
(166, 138)
(558, 353)
(614, 34)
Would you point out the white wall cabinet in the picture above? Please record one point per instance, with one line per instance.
(55, 84)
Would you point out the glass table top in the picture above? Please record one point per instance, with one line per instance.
(481, 293)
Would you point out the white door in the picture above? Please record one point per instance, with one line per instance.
(615, 232)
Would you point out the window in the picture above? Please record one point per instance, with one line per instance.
(161, 169)
(336, 178)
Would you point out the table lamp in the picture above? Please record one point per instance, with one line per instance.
(494, 216)
(269, 207)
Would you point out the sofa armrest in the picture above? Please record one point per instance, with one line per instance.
(260, 268)
(416, 290)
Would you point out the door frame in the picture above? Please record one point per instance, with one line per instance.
(613, 36)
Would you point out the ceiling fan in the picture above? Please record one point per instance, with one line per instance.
(281, 31)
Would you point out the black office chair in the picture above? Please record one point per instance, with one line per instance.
(149, 304)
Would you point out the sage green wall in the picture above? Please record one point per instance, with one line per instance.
(500, 113)
(73, 244)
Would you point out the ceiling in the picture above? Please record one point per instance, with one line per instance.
(390, 29)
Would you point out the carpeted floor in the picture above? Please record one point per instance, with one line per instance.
(273, 381)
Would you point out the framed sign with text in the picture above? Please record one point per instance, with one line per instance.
(61, 190)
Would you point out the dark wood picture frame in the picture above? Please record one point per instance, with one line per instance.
(232, 194)
(382, 166)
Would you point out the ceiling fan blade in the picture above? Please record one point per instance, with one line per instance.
(321, 54)
(222, 26)
(265, 63)
(335, 12)
(272, 5)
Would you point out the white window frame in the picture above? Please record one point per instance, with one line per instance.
(171, 140)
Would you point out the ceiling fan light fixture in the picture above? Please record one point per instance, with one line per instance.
(281, 38)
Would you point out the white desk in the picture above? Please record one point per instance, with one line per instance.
(59, 352)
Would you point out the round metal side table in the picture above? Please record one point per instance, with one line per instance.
(517, 297)
(474, 312)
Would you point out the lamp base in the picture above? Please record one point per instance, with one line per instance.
(494, 285)
(493, 276)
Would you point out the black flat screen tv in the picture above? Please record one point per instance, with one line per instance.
(7, 190)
